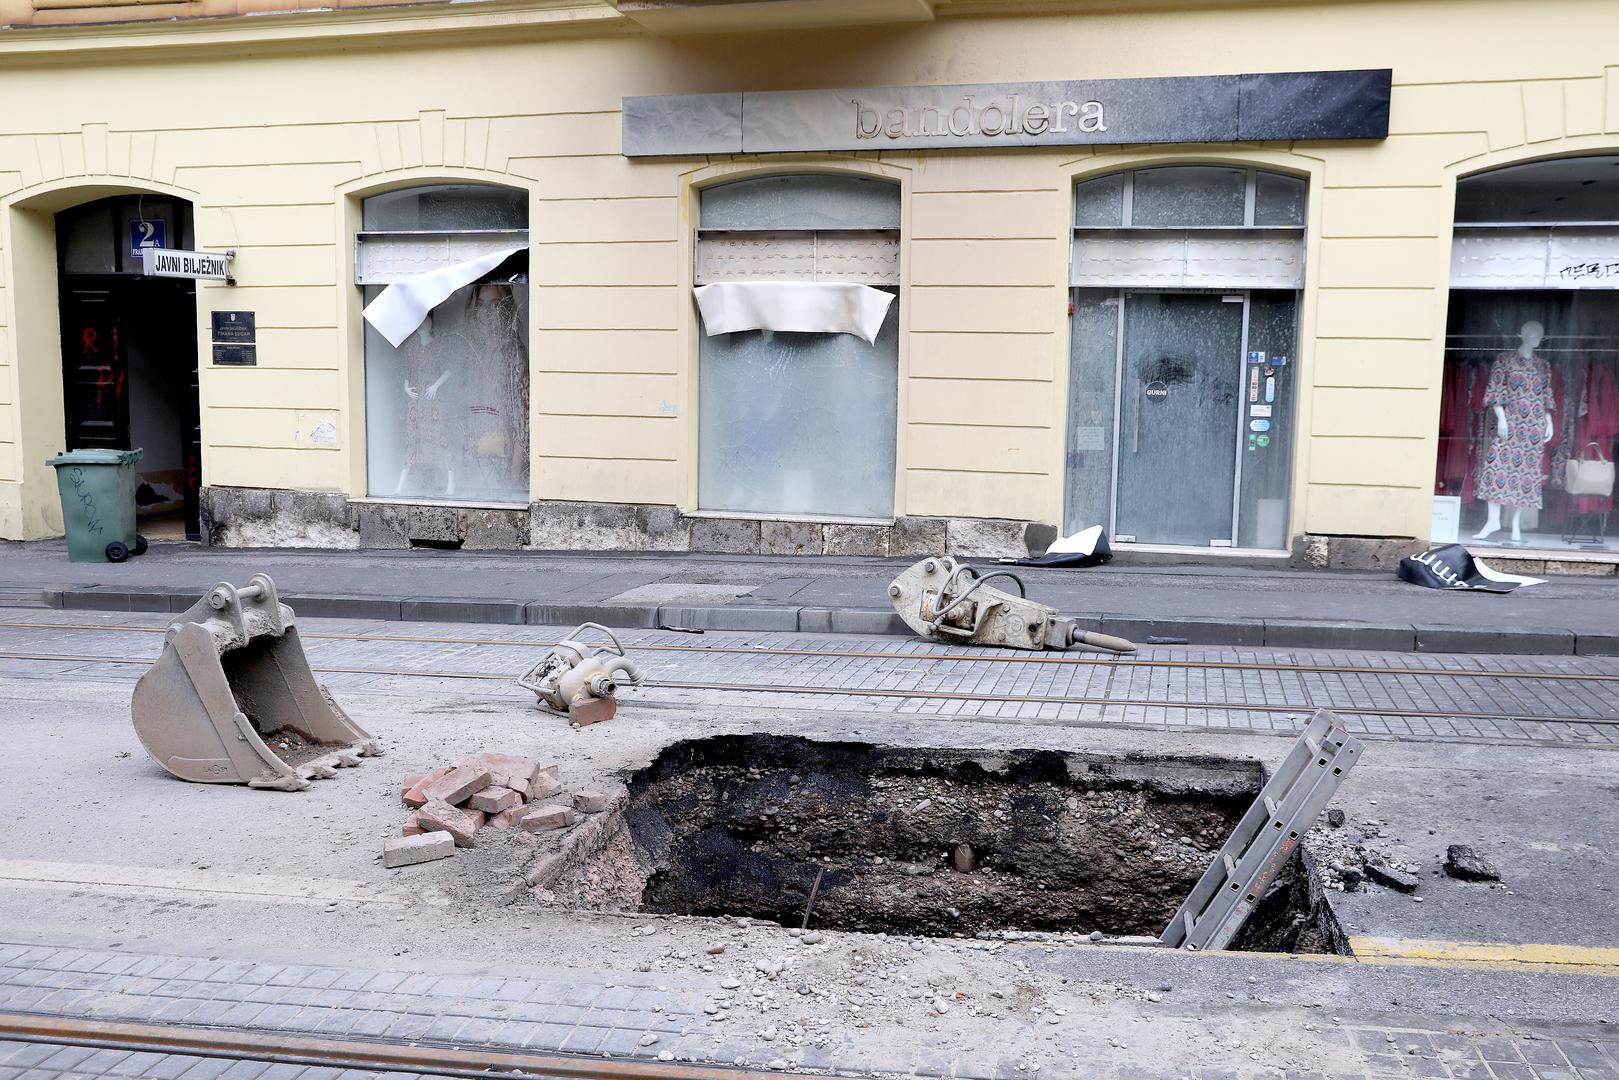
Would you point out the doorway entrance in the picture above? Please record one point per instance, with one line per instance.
(1200, 396)
(1181, 364)
(129, 352)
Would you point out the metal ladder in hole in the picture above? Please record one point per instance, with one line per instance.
(1264, 839)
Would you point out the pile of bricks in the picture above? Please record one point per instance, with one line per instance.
(487, 791)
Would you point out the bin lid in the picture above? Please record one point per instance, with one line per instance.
(97, 456)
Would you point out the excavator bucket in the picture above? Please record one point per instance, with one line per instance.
(232, 700)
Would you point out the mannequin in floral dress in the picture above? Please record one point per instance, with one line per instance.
(1520, 390)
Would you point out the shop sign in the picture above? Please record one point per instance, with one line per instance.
(1202, 108)
(1157, 392)
(186, 264)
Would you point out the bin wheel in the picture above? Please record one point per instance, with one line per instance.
(140, 545)
(117, 552)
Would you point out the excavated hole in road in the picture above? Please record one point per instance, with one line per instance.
(944, 842)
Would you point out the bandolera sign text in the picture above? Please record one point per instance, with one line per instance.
(1303, 105)
(970, 117)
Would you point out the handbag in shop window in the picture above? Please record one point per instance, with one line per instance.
(1588, 475)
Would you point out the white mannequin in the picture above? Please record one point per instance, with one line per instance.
(431, 393)
(1530, 335)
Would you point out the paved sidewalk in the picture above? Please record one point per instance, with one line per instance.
(1202, 604)
(605, 1016)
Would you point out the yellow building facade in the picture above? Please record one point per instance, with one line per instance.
(280, 136)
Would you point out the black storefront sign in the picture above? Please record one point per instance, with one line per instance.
(1289, 105)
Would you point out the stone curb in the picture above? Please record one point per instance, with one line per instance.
(762, 618)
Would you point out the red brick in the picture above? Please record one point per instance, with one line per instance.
(592, 710)
(544, 786)
(413, 827)
(407, 851)
(443, 817)
(505, 767)
(506, 818)
(456, 786)
(590, 802)
(412, 795)
(547, 817)
(492, 800)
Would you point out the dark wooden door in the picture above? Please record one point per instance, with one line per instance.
(110, 322)
(95, 363)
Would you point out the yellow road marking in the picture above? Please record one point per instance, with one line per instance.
(1567, 959)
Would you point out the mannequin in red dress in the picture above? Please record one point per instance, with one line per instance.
(1521, 393)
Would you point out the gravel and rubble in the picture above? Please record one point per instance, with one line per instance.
(1466, 864)
(1346, 859)
(771, 995)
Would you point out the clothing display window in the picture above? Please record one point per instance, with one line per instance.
(798, 363)
(446, 362)
(1531, 388)
(1529, 403)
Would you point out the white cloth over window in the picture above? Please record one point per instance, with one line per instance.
(402, 306)
(802, 307)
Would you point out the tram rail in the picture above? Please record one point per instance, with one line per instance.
(903, 693)
(274, 1048)
(955, 657)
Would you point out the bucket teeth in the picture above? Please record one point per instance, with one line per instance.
(275, 782)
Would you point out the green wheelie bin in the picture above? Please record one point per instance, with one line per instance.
(98, 504)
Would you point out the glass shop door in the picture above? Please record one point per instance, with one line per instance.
(1180, 383)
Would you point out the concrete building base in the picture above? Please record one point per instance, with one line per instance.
(1319, 552)
(256, 517)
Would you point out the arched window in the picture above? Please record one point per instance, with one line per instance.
(446, 350)
(798, 421)
(1529, 402)
(1185, 284)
